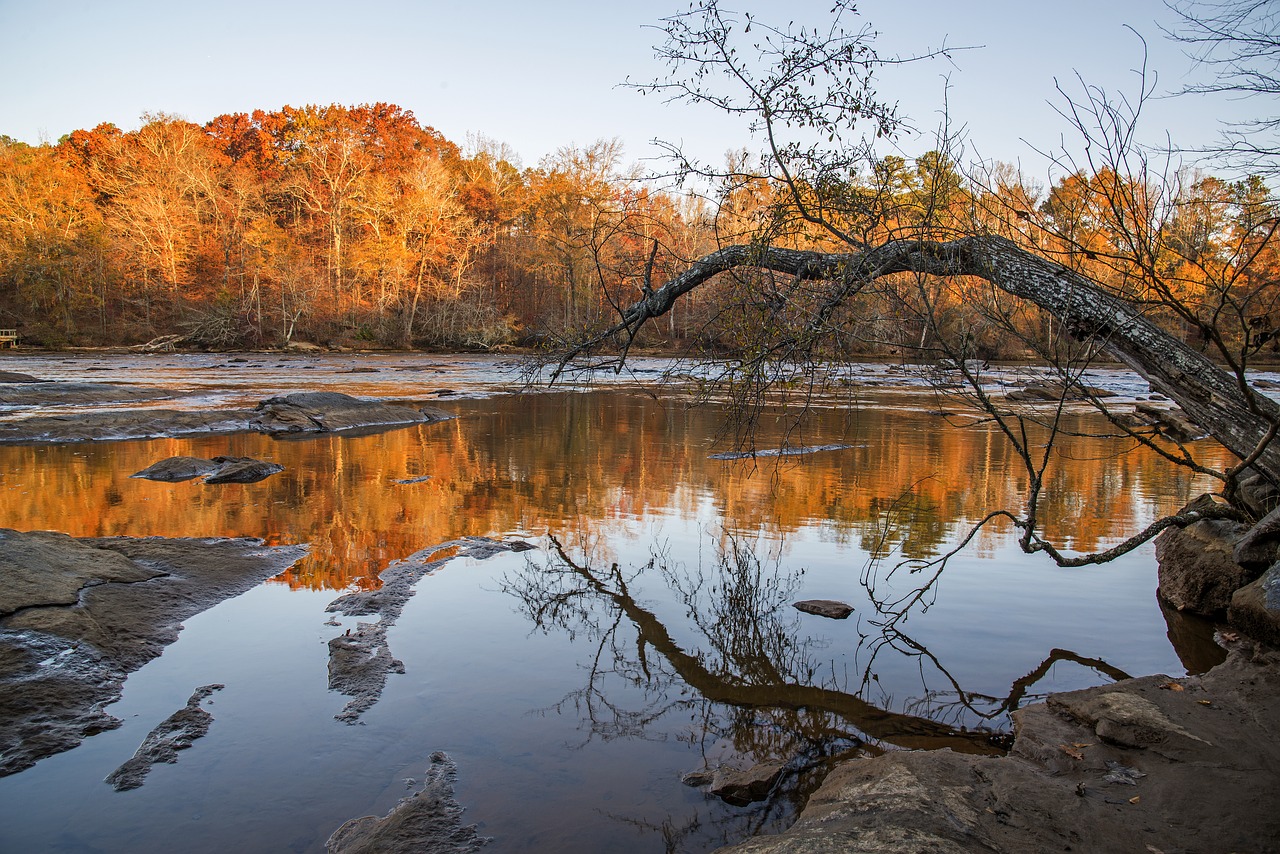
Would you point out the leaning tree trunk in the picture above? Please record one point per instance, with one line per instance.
(1243, 421)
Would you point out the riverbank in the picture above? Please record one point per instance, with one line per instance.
(1151, 764)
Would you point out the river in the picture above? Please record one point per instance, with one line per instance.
(649, 633)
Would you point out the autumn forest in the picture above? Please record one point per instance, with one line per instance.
(360, 226)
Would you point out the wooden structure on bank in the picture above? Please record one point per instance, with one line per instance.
(8, 338)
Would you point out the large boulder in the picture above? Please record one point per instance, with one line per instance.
(1197, 567)
(1255, 608)
(1260, 546)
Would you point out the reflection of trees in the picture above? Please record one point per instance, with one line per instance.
(532, 461)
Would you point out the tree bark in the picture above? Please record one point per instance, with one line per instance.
(1242, 420)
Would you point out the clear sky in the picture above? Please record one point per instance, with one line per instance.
(540, 75)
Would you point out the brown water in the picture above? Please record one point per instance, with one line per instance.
(649, 635)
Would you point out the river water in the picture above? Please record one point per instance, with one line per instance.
(650, 632)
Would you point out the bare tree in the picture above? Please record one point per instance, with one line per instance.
(841, 252)
(1238, 43)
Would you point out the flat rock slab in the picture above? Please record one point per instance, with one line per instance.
(117, 425)
(28, 393)
(331, 412)
(302, 414)
(1150, 764)
(832, 608)
(740, 786)
(16, 377)
(109, 606)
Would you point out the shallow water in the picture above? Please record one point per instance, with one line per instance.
(651, 633)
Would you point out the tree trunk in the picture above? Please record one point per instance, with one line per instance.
(1242, 420)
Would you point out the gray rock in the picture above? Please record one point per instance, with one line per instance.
(741, 787)
(174, 733)
(121, 425)
(697, 779)
(1197, 569)
(1257, 549)
(430, 820)
(1255, 608)
(242, 470)
(1206, 782)
(1171, 422)
(1055, 391)
(216, 470)
(65, 655)
(825, 608)
(176, 469)
(15, 377)
(75, 394)
(329, 412)
(360, 661)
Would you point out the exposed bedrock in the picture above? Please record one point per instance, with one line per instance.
(78, 615)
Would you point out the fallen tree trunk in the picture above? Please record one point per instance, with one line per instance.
(1242, 420)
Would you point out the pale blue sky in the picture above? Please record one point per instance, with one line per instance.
(542, 75)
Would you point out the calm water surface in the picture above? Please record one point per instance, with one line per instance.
(651, 632)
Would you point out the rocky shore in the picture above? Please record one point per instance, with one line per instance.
(78, 615)
(298, 414)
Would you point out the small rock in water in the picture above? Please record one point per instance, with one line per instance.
(737, 787)
(825, 608)
(697, 779)
(175, 469)
(242, 470)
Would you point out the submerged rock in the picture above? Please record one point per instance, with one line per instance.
(77, 615)
(430, 820)
(162, 744)
(778, 452)
(15, 377)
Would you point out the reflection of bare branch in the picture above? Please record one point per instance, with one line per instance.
(749, 681)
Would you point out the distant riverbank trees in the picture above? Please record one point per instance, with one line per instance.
(360, 226)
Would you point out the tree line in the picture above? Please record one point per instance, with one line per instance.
(360, 226)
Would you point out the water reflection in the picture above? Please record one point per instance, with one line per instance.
(909, 486)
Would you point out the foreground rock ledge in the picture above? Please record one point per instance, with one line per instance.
(1150, 764)
(78, 615)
